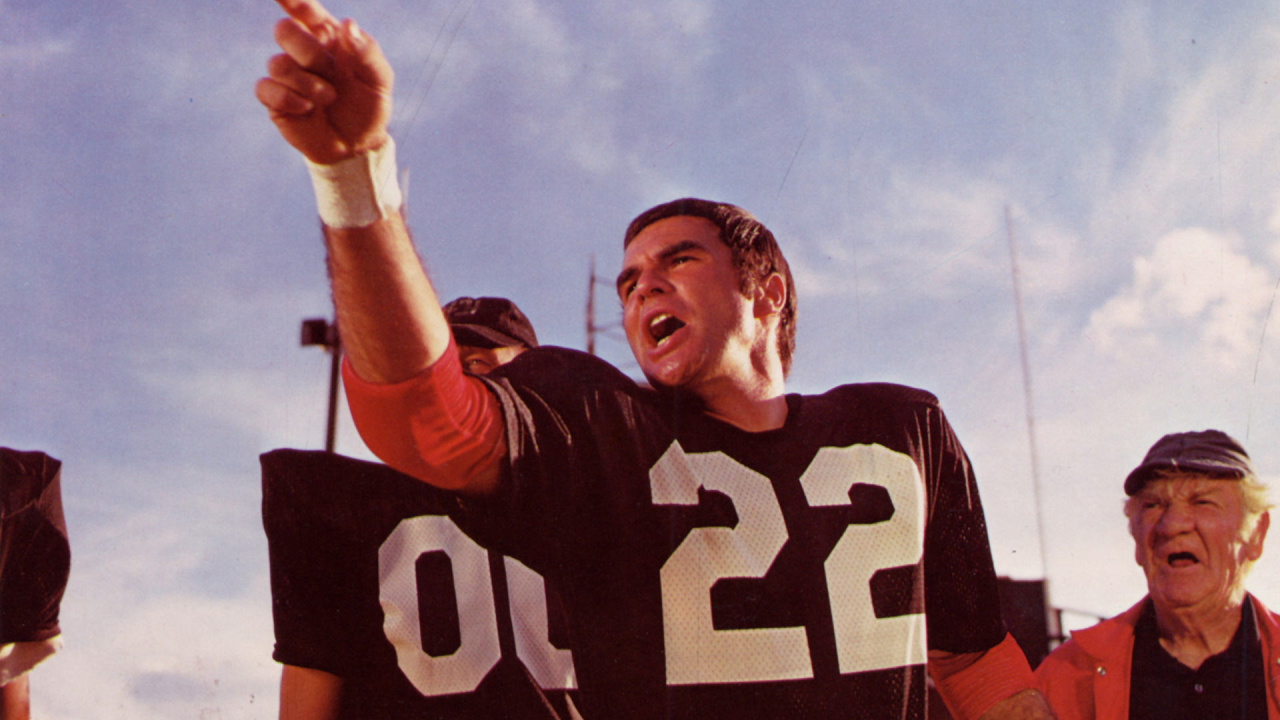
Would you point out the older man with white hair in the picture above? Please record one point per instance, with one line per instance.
(1199, 645)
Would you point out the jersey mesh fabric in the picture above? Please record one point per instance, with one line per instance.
(354, 545)
(709, 572)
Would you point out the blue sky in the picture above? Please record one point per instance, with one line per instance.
(159, 248)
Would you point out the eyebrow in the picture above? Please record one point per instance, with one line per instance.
(1199, 492)
(1207, 491)
(628, 274)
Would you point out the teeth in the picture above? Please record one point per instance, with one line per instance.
(663, 325)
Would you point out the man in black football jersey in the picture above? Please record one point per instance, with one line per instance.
(723, 549)
(35, 560)
(468, 636)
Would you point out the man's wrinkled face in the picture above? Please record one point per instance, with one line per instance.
(482, 361)
(1190, 543)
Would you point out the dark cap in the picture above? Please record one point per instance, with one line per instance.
(489, 322)
(1208, 452)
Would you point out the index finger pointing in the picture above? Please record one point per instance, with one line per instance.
(313, 15)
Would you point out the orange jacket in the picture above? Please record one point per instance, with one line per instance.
(1087, 678)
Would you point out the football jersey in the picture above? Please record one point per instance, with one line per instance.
(710, 572)
(35, 556)
(371, 581)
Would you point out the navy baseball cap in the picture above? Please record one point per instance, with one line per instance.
(489, 322)
(1209, 452)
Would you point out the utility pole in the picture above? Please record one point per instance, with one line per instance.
(593, 329)
(319, 331)
(591, 308)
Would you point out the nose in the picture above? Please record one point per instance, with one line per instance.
(650, 282)
(1175, 519)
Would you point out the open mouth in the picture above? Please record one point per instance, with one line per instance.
(663, 326)
(1182, 559)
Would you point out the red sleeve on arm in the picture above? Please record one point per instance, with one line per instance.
(441, 426)
(973, 682)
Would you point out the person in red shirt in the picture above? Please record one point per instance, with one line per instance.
(1199, 645)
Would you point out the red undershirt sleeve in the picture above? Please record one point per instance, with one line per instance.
(971, 685)
(440, 426)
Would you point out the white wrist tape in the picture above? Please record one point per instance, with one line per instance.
(357, 191)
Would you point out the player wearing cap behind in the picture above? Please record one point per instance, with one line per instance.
(1199, 645)
(490, 332)
(723, 549)
(469, 636)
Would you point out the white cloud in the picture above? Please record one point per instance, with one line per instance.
(1195, 144)
(1194, 293)
(945, 234)
(276, 405)
(168, 609)
(161, 657)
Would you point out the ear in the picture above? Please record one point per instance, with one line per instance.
(770, 296)
(1253, 543)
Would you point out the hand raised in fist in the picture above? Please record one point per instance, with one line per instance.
(329, 92)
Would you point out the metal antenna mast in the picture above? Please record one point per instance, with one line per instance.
(1026, 387)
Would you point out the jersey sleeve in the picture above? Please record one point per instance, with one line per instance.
(440, 426)
(35, 558)
(325, 517)
(970, 685)
(563, 412)
(962, 596)
(955, 573)
(312, 573)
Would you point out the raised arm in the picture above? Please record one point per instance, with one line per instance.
(329, 94)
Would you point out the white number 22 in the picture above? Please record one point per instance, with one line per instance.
(698, 653)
